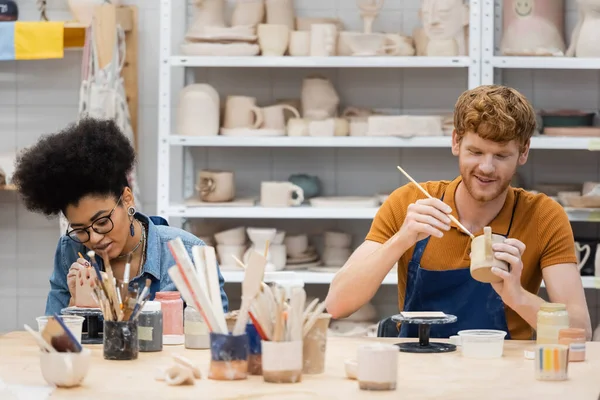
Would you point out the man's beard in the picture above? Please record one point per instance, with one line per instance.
(495, 189)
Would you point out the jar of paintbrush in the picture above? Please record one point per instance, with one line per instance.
(121, 340)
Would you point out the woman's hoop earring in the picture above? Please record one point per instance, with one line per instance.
(130, 212)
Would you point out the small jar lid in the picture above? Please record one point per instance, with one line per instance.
(553, 307)
(572, 333)
(152, 306)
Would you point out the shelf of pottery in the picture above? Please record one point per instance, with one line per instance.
(540, 34)
(271, 28)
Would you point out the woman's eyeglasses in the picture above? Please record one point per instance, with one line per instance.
(102, 226)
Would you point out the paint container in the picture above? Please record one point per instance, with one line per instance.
(255, 350)
(73, 322)
(172, 309)
(551, 318)
(314, 346)
(229, 357)
(121, 340)
(65, 369)
(551, 362)
(195, 330)
(282, 361)
(150, 327)
(377, 366)
(574, 338)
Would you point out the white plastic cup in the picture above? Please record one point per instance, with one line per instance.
(482, 343)
(73, 322)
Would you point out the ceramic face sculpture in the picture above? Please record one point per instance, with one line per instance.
(533, 27)
(444, 24)
(584, 42)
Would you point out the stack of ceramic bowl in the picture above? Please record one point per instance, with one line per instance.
(231, 242)
(273, 238)
(300, 255)
(337, 249)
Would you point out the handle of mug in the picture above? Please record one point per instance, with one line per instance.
(588, 250)
(299, 195)
(293, 109)
(207, 185)
(258, 117)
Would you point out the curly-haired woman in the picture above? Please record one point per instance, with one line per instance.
(82, 172)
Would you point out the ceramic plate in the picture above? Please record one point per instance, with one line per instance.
(308, 266)
(245, 202)
(220, 49)
(324, 269)
(344, 201)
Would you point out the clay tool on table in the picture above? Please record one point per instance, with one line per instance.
(250, 288)
(212, 280)
(429, 196)
(200, 264)
(312, 319)
(185, 278)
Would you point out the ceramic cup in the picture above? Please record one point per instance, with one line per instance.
(323, 40)
(277, 256)
(274, 116)
(335, 256)
(297, 127)
(340, 240)
(280, 194)
(482, 261)
(273, 39)
(229, 357)
(242, 112)
(231, 237)
(216, 186)
(227, 252)
(282, 362)
(314, 346)
(65, 369)
(296, 245)
(377, 366)
(299, 44)
(73, 322)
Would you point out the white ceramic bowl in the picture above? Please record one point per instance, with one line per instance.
(73, 322)
(482, 343)
(65, 369)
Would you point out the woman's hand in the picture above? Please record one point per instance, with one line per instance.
(77, 268)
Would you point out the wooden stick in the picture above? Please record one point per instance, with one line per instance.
(429, 196)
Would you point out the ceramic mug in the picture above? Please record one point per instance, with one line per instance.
(274, 116)
(216, 186)
(242, 112)
(299, 44)
(296, 245)
(323, 40)
(482, 263)
(280, 194)
(282, 361)
(297, 127)
(310, 184)
(273, 39)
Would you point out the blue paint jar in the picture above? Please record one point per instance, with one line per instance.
(229, 357)
(255, 350)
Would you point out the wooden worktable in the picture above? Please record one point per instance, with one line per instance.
(420, 376)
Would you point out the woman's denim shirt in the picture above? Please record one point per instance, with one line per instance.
(158, 261)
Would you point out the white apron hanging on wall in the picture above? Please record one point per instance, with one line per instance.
(102, 95)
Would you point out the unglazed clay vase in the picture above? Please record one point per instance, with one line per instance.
(248, 12)
(584, 41)
(444, 26)
(483, 260)
(369, 10)
(319, 98)
(199, 111)
(207, 13)
(281, 12)
(533, 28)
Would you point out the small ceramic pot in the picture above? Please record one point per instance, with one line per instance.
(229, 357)
(310, 184)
